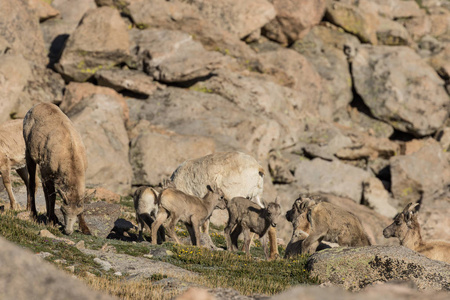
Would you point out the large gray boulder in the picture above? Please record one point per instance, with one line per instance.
(355, 268)
(335, 177)
(99, 42)
(155, 153)
(23, 275)
(400, 88)
(240, 18)
(294, 18)
(172, 56)
(425, 172)
(100, 119)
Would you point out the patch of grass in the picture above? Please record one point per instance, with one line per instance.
(244, 274)
(127, 202)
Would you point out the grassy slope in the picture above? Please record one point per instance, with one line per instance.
(217, 268)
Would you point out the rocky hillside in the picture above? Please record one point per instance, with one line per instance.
(345, 98)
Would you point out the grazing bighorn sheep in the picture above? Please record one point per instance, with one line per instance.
(407, 229)
(12, 155)
(53, 143)
(324, 221)
(246, 216)
(237, 174)
(192, 211)
(146, 205)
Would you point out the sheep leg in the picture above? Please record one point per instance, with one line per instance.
(231, 223)
(31, 189)
(146, 221)
(196, 227)
(191, 232)
(263, 240)
(247, 239)
(5, 171)
(273, 243)
(171, 228)
(23, 173)
(234, 237)
(160, 218)
(140, 226)
(208, 241)
(309, 245)
(50, 198)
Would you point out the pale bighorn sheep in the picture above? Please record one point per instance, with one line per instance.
(237, 174)
(314, 222)
(53, 143)
(246, 216)
(191, 210)
(12, 155)
(146, 205)
(407, 229)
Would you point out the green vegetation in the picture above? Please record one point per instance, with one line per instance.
(248, 275)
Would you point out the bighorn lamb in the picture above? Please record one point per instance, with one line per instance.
(192, 211)
(12, 155)
(237, 174)
(53, 143)
(246, 216)
(325, 221)
(146, 205)
(407, 229)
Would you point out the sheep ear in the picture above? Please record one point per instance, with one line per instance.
(406, 209)
(62, 195)
(310, 203)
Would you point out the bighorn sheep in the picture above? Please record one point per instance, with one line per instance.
(407, 229)
(53, 143)
(314, 222)
(246, 216)
(146, 205)
(237, 174)
(12, 155)
(192, 211)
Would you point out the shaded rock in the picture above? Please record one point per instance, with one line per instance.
(100, 217)
(99, 42)
(294, 19)
(176, 15)
(409, 96)
(279, 169)
(127, 80)
(337, 178)
(318, 46)
(423, 172)
(154, 154)
(441, 62)
(173, 56)
(99, 120)
(104, 264)
(362, 122)
(377, 197)
(394, 290)
(25, 276)
(56, 31)
(417, 26)
(373, 222)
(355, 268)
(42, 9)
(433, 219)
(20, 28)
(240, 18)
(352, 19)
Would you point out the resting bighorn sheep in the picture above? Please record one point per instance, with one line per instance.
(246, 216)
(12, 155)
(53, 143)
(237, 174)
(315, 222)
(192, 211)
(407, 229)
(146, 205)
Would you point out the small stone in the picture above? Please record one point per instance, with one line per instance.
(44, 254)
(80, 245)
(47, 234)
(148, 256)
(71, 268)
(60, 261)
(170, 253)
(118, 273)
(104, 264)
